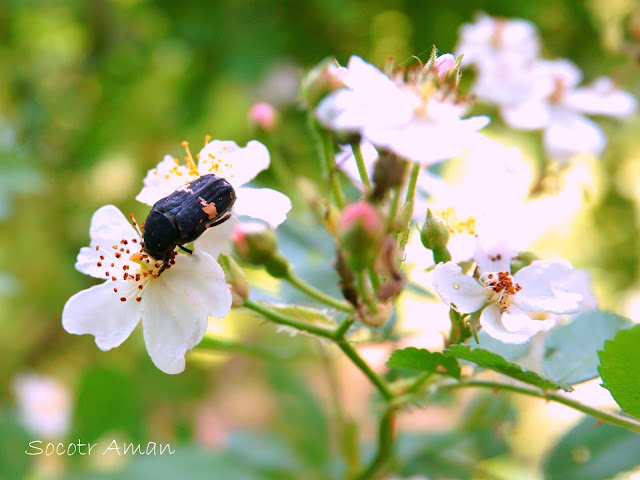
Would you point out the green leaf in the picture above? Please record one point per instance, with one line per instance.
(495, 362)
(620, 369)
(508, 351)
(310, 316)
(571, 351)
(420, 359)
(591, 451)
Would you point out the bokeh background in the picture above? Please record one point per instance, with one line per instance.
(94, 92)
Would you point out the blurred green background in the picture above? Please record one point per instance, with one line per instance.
(94, 92)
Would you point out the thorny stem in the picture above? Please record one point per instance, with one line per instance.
(612, 418)
(313, 292)
(362, 168)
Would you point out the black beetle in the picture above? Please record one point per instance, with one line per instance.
(184, 215)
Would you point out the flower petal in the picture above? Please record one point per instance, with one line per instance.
(100, 312)
(164, 180)
(511, 326)
(238, 165)
(263, 203)
(461, 292)
(176, 307)
(546, 287)
(602, 98)
(570, 133)
(493, 253)
(108, 227)
(217, 240)
(532, 114)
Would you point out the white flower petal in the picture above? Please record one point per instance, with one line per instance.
(176, 307)
(217, 240)
(425, 141)
(262, 203)
(532, 114)
(100, 312)
(546, 287)
(461, 292)
(570, 133)
(602, 98)
(238, 165)
(512, 326)
(108, 227)
(163, 180)
(493, 253)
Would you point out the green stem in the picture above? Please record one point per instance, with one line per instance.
(313, 292)
(614, 419)
(362, 168)
(385, 447)
(342, 329)
(413, 181)
(280, 319)
(218, 344)
(365, 292)
(332, 169)
(358, 361)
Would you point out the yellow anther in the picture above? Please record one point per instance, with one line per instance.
(207, 139)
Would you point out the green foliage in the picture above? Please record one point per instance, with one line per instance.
(13, 443)
(425, 361)
(508, 351)
(108, 401)
(570, 351)
(492, 361)
(591, 451)
(620, 369)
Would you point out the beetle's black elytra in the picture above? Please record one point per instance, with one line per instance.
(184, 215)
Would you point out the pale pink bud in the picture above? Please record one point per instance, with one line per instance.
(362, 214)
(264, 116)
(443, 64)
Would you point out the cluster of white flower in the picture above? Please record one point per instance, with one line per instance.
(536, 94)
(175, 306)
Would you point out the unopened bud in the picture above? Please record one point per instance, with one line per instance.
(264, 116)
(320, 81)
(254, 242)
(360, 233)
(442, 65)
(236, 279)
(379, 318)
(434, 233)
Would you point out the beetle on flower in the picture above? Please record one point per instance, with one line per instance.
(174, 307)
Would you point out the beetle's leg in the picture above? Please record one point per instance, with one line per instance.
(165, 264)
(185, 249)
(226, 217)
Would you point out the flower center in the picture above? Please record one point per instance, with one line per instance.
(503, 287)
(127, 261)
(456, 224)
(560, 87)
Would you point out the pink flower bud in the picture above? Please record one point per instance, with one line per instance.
(442, 65)
(362, 214)
(360, 229)
(264, 116)
(254, 242)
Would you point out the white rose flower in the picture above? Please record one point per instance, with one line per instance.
(505, 299)
(174, 307)
(557, 105)
(238, 165)
(409, 117)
